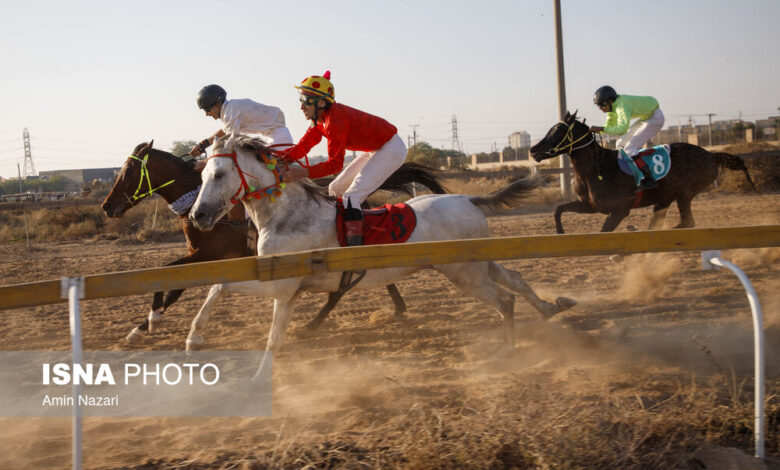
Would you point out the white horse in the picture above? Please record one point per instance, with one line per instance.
(299, 216)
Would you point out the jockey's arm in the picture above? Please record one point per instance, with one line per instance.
(203, 144)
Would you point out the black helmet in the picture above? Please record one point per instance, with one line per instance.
(210, 95)
(604, 94)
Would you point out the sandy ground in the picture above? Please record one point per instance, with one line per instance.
(640, 321)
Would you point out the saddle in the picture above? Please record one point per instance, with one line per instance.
(656, 159)
(391, 223)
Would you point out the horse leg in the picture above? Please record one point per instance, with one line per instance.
(283, 310)
(333, 299)
(160, 303)
(614, 218)
(398, 301)
(659, 214)
(155, 316)
(195, 338)
(515, 282)
(686, 215)
(473, 279)
(254, 288)
(137, 334)
(573, 206)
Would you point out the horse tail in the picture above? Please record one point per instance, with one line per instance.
(410, 172)
(733, 162)
(509, 196)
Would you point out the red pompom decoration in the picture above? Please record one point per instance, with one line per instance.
(326, 75)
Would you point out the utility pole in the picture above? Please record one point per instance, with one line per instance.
(709, 116)
(414, 133)
(565, 163)
(679, 130)
(19, 171)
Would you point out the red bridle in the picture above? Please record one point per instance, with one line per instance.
(272, 192)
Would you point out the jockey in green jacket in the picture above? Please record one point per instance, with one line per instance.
(620, 110)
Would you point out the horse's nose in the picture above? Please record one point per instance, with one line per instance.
(106, 206)
(198, 218)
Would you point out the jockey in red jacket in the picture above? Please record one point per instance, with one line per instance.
(382, 151)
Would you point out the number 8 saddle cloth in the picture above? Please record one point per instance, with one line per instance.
(655, 158)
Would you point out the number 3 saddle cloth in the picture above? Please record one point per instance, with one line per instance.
(391, 223)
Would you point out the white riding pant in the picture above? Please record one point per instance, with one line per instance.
(366, 173)
(640, 132)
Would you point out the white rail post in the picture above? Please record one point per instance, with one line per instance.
(710, 259)
(73, 289)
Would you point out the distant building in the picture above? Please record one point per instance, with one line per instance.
(77, 178)
(519, 140)
(770, 126)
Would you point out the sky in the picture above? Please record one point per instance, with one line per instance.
(92, 79)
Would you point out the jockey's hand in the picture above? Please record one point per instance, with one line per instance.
(294, 173)
(196, 150)
(596, 129)
(200, 165)
(285, 155)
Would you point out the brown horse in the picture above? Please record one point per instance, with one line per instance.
(601, 187)
(148, 171)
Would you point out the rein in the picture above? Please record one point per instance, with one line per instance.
(560, 148)
(250, 192)
(145, 174)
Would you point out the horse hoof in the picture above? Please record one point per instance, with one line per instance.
(616, 258)
(631, 228)
(155, 317)
(194, 342)
(564, 303)
(135, 336)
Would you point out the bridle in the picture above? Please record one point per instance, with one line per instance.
(561, 147)
(137, 195)
(250, 192)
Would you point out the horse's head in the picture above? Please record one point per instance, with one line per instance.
(563, 137)
(240, 168)
(124, 193)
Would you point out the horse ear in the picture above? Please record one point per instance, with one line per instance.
(568, 115)
(575, 114)
(151, 142)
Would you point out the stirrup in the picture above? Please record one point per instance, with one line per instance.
(646, 184)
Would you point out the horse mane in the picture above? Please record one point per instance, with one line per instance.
(257, 146)
(186, 165)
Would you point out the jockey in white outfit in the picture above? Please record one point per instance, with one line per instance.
(242, 116)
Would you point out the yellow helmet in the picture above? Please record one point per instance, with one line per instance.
(319, 86)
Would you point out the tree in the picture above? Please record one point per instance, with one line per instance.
(182, 147)
(423, 152)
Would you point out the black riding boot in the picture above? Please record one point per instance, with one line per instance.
(353, 222)
(648, 182)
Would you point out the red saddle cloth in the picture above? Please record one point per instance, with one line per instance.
(391, 223)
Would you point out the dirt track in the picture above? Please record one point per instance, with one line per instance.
(641, 327)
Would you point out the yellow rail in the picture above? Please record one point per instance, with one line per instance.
(267, 268)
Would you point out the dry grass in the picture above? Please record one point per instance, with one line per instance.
(69, 222)
(657, 424)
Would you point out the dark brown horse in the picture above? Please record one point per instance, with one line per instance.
(148, 171)
(601, 187)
